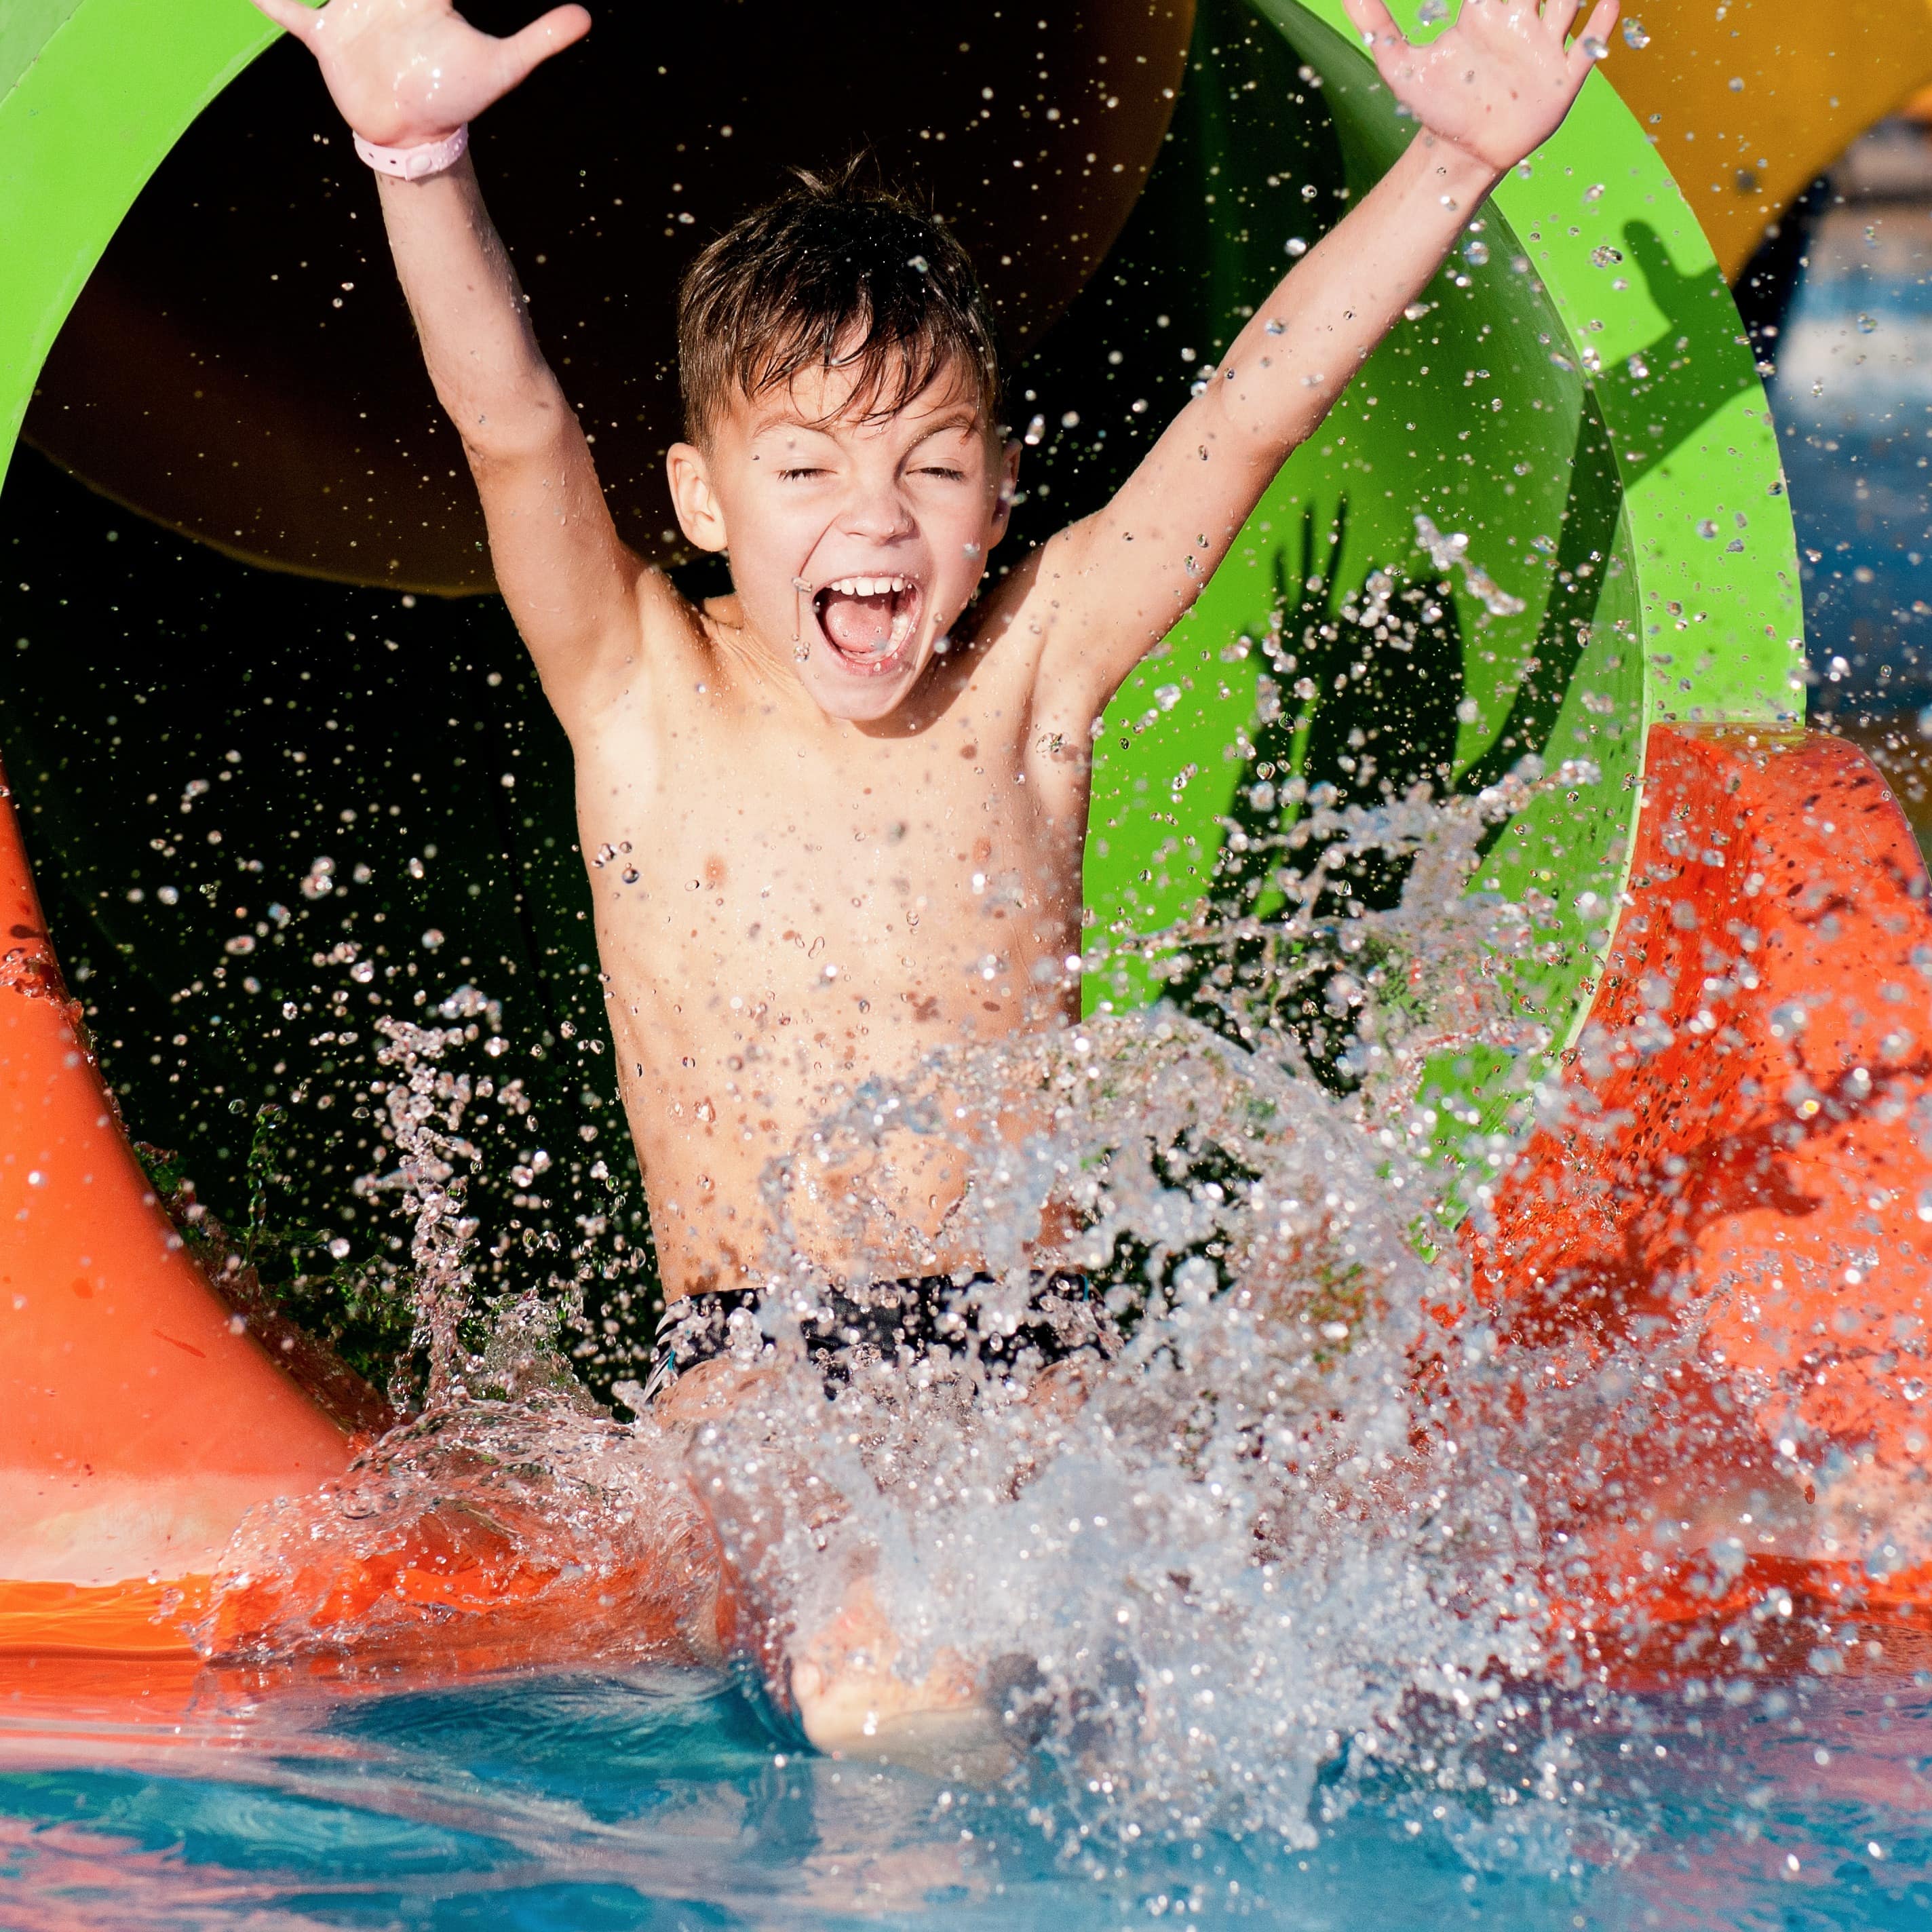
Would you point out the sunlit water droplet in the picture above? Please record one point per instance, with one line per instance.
(1451, 551)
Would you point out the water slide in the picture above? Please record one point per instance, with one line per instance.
(1571, 436)
(1749, 106)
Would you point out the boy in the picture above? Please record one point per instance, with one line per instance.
(835, 820)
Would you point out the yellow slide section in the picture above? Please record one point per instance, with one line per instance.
(1749, 102)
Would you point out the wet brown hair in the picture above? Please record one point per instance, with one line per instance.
(837, 272)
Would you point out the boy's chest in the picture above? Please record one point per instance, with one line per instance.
(926, 863)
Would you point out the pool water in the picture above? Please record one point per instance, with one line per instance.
(1853, 397)
(649, 1799)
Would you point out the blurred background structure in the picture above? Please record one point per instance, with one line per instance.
(1801, 133)
(1853, 392)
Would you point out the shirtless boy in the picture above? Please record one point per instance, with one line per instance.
(819, 810)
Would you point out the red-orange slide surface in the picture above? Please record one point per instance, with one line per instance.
(139, 1420)
(1740, 1190)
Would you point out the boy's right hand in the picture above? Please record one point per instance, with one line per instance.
(403, 72)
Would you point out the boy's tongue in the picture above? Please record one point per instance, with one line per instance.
(862, 625)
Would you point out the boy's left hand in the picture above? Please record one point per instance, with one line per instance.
(1498, 84)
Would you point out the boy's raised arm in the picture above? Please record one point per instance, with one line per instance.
(406, 73)
(1493, 88)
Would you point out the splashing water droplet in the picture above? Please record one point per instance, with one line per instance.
(1635, 37)
(1451, 551)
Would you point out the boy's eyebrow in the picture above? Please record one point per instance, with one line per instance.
(962, 416)
(780, 415)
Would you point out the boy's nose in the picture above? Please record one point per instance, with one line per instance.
(877, 512)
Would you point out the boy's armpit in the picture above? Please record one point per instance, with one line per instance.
(652, 626)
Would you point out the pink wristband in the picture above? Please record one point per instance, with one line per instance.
(416, 164)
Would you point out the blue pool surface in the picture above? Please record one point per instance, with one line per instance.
(583, 1802)
(1852, 398)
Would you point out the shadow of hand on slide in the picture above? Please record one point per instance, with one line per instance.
(1661, 397)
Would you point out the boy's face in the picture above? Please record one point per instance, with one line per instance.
(855, 545)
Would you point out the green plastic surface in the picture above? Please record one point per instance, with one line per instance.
(1580, 404)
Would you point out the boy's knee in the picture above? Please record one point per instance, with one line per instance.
(1062, 1388)
(709, 1391)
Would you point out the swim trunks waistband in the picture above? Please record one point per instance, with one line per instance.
(891, 1321)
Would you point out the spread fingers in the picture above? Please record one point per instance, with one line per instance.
(1374, 22)
(291, 16)
(1597, 32)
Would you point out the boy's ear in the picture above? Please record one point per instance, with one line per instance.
(1009, 483)
(692, 497)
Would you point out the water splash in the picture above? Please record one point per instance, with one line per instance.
(424, 1106)
(488, 1532)
(1194, 1573)
(1448, 550)
(1302, 1531)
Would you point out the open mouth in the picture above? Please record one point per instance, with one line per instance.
(868, 621)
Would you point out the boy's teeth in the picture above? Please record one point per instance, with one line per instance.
(870, 587)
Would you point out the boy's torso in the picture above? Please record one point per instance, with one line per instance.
(783, 911)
